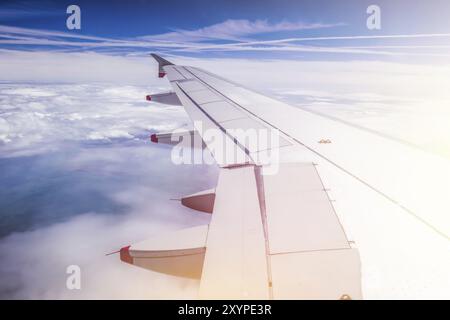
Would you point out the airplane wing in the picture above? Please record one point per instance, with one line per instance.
(274, 231)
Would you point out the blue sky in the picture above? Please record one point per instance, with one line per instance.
(196, 28)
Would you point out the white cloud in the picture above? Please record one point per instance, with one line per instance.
(54, 125)
(34, 262)
(35, 118)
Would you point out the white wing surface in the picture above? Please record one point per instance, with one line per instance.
(274, 232)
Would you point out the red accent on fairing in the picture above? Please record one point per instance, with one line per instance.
(161, 74)
(125, 255)
(154, 138)
(148, 97)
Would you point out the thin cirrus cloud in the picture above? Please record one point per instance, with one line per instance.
(227, 30)
(235, 29)
(228, 36)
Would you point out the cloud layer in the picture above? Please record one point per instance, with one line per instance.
(83, 180)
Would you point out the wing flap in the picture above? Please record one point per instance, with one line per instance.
(258, 248)
(300, 216)
(235, 261)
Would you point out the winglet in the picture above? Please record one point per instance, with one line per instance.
(161, 63)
